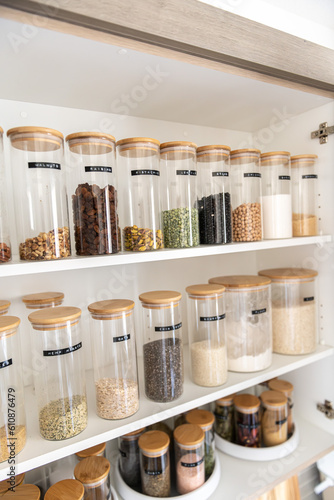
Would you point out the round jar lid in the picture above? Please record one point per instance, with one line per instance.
(91, 143)
(188, 435)
(42, 298)
(160, 297)
(153, 441)
(205, 290)
(54, 315)
(135, 147)
(113, 306)
(90, 135)
(280, 386)
(35, 138)
(1, 130)
(226, 401)
(8, 324)
(24, 492)
(134, 140)
(274, 158)
(4, 305)
(305, 160)
(11, 482)
(177, 144)
(288, 273)
(91, 470)
(246, 402)
(273, 398)
(241, 281)
(178, 150)
(92, 452)
(133, 434)
(203, 418)
(214, 148)
(241, 152)
(68, 489)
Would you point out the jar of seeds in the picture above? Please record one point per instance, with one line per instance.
(179, 196)
(61, 400)
(247, 420)
(205, 420)
(114, 357)
(5, 246)
(93, 473)
(154, 463)
(129, 463)
(4, 307)
(304, 174)
(95, 451)
(189, 458)
(68, 489)
(224, 418)
(274, 419)
(285, 388)
(163, 349)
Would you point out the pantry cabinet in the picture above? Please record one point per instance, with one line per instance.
(77, 67)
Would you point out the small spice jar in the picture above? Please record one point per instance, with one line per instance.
(276, 195)
(248, 322)
(61, 400)
(247, 420)
(68, 489)
(114, 357)
(206, 329)
(205, 420)
(12, 416)
(42, 300)
(94, 451)
(4, 307)
(285, 388)
(214, 204)
(163, 349)
(93, 473)
(189, 457)
(294, 309)
(129, 462)
(5, 246)
(40, 196)
(224, 418)
(274, 420)
(24, 491)
(154, 463)
(179, 197)
(304, 195)
(93, 181)
(11, 483)
(246, 194)
(138, 158)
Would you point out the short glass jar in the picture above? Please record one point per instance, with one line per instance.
(5, 245)
(205, 420)
(42, 300)
(68, 489)
(93, 473)
(247, 420)
(274, 419)
(304, 195)
(189, 458)
(154, 463)
(224, 418)
(4, 307)
(129, 462)
(285, 388)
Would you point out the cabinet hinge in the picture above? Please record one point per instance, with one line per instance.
(322, 133)
(326, 408)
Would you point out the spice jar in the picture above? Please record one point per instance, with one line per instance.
(42, 300)
(11, 482)
(285, 388)
(189, 458)
(5, 246)
(94, 451)
(205, 420)
(248, 322)
(40, 193)
(274, 420)
(154, 463)
(294, 309)
(12, 416)
(247, 420)
(93, 180)
(138, 158)
(163, 349)
(224, 418)
(61, 400)
(214, 204)
(129, 463)
(206, 328)
(179, 197)
(93, 473)
(4, 307)
(304, 195)
(68, 489)
(276, 195)
(246, 195)
(24, 491)
(114, 357)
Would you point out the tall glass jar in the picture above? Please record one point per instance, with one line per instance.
(304, 195)
(93, 473)
(189, 458)
(247, 420)
(205, 420)
(93, 180)
(62, 402)
(274, 419)
(4, 307)
(276, 195)
(12, 417)
(95, 451)
(5, 246)
(68, 489)
(206, 329)
(129, 463)
(179, 194)
(248, 322)
(214, 188)
(155, 464)
(40, 193)
(285, 388)
(138, 159)
(246, 195)
(163, 348)
(224, 418)
(43, 299)
(114, 356)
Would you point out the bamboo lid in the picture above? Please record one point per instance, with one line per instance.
(91, 143)
(134, 433)
(68, 489)
(153, 441)
(307, 160)
(90, 135)
(7, 483)
(281, 386)
(274, 153)
(241, 281)
(205, 290)
(275, 158)
(287, 273)
(177, 144)
(54, 315)
(246, 401)
(91, 470)
(1, 130)
(189, 435)
(4, 305)
(160, 297)
(226, 401)
(214, 148)
(42, 298)
(7, 324)
(24, 492)
(29, 138)
(92, 452)
(253, 151)
(273, 398)
(203, 418)
(112, 306)
(134, 140)
(304, 157)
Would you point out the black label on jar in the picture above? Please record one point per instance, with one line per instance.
(170, 328)
(308, 299)
(39, 164)
(4, 364)
(122, 338)
(212, 318)
(186, 172)
(281, 422)
(99, 169)
(122, 453)
(248, 426)
(284, 177)
(220, 174)
(145, 172)
(259, 311)
(193, 464)
(60, 352)
(310, 176)
(153, 472)
(252, 174)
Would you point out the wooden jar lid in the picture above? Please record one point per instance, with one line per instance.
(281, 386)
(91, 143)
(7, 324)
(133, 434)
(113, 306)
(246, 402)
(241, 152)
(160, 297)
(42, 298)
(275, 158)
(54, 316)
(205, 419)
(306, 159)
(214, 148)
(135, 147)
(196, 291)
(68, 489)
(91, 470)
(25, 138)
(10, 482)
(90, 135)
(92, 452)
(153, 442)
(134, 140)
(1, 130)
(4, 305)
(287, 273)
(24, 492)
(177, 144)
(241, 281)
(273, 398)
(189, 435)
(226, 401)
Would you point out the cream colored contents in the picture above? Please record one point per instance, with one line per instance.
(304, 225)
(116, 398)
(208, 363)
(18, 437)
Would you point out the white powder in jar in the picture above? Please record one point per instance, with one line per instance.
(250, 363)
(208, 363)
(277, 216)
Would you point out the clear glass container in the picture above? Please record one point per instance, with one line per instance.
(163, 348)
(205, 419)
(95, 451)
(246, 195)
(138, 160)
(206, 330)
(179, 194)
(114, 356)
(57, 471)
(129, 462)
(60, 382)
(24, 491)
(155, 464)
(5, 245)
(276, 195)
(93, 180)
(304, 195)
(214, 192)
(248, 322)
(40, 196)
(42, 300)
(4, 307)
(274, 419)
(68, 489)
(294, 309)
(11, 482)
(247, 420)
(189, 458)
(12, 415)
(224, 418)
(93, 473)
(285, 388)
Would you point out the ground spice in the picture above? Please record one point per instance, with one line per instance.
(63, 418)
(304, 225)
(208, 363)
(116, 398)
(180, 227)
(19, 435)
(190, 473)
(274, 427)
(215, 219)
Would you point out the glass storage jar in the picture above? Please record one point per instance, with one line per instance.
(11, 482)
(214, 188)
(4, 307)
(68, 489)
(42, 300)
(93, 181)
(114, 357)
(129, 463)
(155, 463)
(248, 322)
(138, 159)
(246, 195)
(189, 458)
(224, 418)
(163, 348)
(57, 471)
(276, 195)
(61, 399)
(206, 329)
(24, 491)
(247, 420)
(94, 451)
(205, 420)
(40, 193)
(304, 195)
(179, 194)
(12, 416)
(93, 473)
(294, 309)
(274, 419)
(5, 245)
(285, 388)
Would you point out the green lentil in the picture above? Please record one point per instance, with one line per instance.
(63, 418)
(180, 228)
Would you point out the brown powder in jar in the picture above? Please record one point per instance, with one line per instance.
(274, 431)
(304, 225)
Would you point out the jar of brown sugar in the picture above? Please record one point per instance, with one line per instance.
(274, 421)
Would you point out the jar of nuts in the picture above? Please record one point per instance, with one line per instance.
(5, 248)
